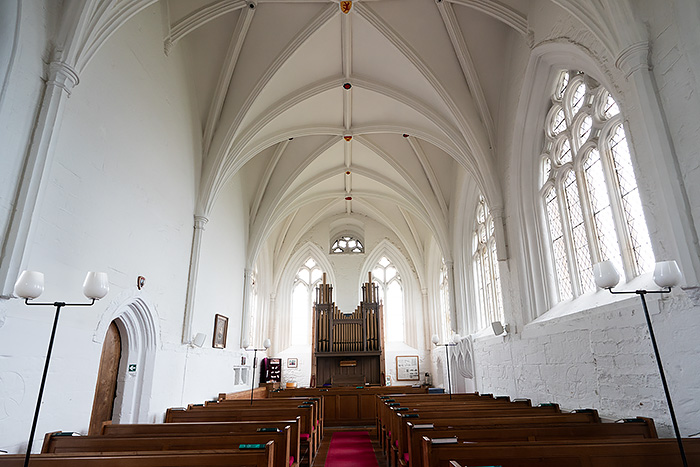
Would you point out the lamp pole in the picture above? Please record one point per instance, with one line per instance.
(58, 306)
(642, 296)
(30, 285)
(266, 345)
(667, 274)
(447, 357)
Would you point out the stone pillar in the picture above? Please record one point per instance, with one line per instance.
(62, 79)
(245, 317)
(199, 223)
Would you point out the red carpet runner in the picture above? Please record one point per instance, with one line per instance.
(351, 449)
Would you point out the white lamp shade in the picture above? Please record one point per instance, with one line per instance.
(30, 284)
(267, 344)
(456, 338)
(605, 275)
(96, 285)
(667, 274)
(435, 339)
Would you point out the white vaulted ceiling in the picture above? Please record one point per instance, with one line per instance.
(424, 80)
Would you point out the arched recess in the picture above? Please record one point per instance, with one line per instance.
(668, 224)
(284, 285)
(137, 322)
(546, 60)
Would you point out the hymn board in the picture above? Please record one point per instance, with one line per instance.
(348, 347)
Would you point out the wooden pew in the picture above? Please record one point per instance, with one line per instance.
(203, 414)
(59, 443)
(398, 430)
(150, 429)
(579, 453)
(518, 431)
(195, 458)
(316, 402)
(386, 406)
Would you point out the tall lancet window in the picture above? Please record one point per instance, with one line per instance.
(588, 189)
(306, 280)
(254, 312)
(487, 280)
(386, 276)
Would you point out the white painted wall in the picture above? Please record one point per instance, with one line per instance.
(119, 197)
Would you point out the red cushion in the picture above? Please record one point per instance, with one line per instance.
(305, 436)
(291, 461)
(397, 443)
(405, 457)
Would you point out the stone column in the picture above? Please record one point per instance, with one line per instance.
(199, 223)
(62, 79)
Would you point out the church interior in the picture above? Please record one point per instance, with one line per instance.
(390, 194)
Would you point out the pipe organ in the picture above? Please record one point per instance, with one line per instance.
(348, 347)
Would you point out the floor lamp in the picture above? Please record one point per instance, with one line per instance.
(666, 275)
(436, 341)
(266, 345)
(29, 286)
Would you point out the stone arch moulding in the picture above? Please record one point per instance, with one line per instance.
(137, 321)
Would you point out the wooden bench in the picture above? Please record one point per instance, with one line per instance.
(150, 429)
(203, 414)
(518, 431)
(195, 458)
(594, 453)
(398, 431)
(316, 402)
(59, 443)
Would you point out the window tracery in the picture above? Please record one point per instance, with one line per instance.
(588, 190)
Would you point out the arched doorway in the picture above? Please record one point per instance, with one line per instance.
(107, 377)
(136, 324)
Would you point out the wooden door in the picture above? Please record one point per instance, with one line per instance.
(106, 388)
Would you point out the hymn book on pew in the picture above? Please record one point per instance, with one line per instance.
(452, 440)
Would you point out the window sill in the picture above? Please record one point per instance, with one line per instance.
(598, 299)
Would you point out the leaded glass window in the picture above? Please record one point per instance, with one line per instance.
(588, 190)
(487, 281)
(347, 244)
(306, 280)
(386, 276)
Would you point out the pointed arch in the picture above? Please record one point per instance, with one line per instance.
(137, 321)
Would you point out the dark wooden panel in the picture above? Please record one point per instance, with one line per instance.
(106, 388)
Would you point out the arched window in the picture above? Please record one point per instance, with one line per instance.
(307, 278)
(487, 281)
(588, 189)
(347, 244)
(386, 276)
(445, 301)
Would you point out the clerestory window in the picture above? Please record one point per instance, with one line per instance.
(588, 190)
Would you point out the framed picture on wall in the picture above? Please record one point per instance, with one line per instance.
(407, 368)
(292, 363)
(220, 331)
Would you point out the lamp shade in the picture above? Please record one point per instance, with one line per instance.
(605, 275)
(30, 284)
(267, 344)
(667, 274)
(435, 339)
(456, 338)
(96, 285)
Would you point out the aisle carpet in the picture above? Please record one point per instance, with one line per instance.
(351, 449)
